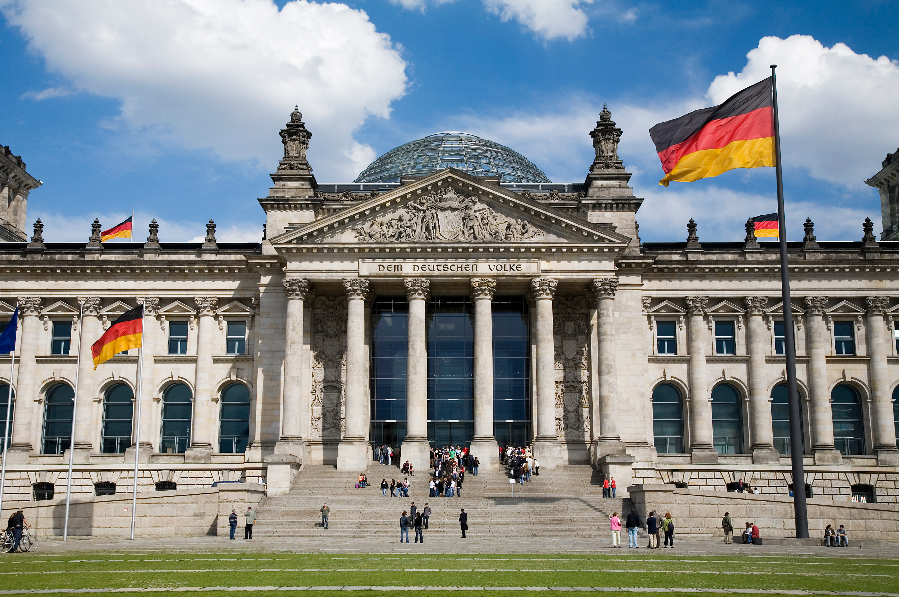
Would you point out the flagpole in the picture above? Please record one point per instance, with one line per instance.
(65, 528)
(140, 384)
(131, 238)
(12, 364)
(796, 443)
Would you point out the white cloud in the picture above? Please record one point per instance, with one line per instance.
(49, 93)
(838, 110)
(224, 74)
(417, 5)
(549, 19)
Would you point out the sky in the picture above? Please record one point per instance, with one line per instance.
(171, 108)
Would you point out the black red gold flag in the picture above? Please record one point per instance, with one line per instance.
(122, 230)
(766, 226)
(124, 333)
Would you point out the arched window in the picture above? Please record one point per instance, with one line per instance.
(668, 419)
(59, 404)
(176, 415)
(727, 420)
(896, 413)
(5, 397)
(848, 425)
(118, 408)
(234, 433)
(780, 419)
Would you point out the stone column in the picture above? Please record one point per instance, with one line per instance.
(354, 453)
(702, 449)
(27, 418)
(761, 430)
(821, 415)
(293, 410)
(90, 330)
(149, 424)
(484, 444)
(609, 441)
(547, 447)
(882, 427)
(204, 426)
(415, 447)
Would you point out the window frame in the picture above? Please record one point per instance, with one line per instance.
(683, 418)
(54, 338)
(240, 339)
(782, 339)
(178, 338)
(741, 411)
(732, 338)
(667, 339)
(106, 421)
(839, 342)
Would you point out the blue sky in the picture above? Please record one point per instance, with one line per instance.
(172, 108)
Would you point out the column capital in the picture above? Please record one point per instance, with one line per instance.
(356, 288)
(755, 305)
(814, 305)
(543, 288)
(697, 305)
(298, 289)
(206, 304)
(877, 305)
(604, 287)
(483, 288)
(90, 305)
(30, 305)
(151, 305)
(417, 288)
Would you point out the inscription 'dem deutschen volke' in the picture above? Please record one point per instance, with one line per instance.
(413, 267)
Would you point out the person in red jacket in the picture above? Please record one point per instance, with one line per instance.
(612, 486)
(605, 488)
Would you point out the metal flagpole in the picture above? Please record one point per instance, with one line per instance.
(140, 384)
(131, 238)
(796, 443)
(65, 528)
(12, 364)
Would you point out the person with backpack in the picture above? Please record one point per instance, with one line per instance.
(668, 528)
(405, 523)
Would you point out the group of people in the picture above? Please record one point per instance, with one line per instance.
(419, 521)
(750, 533)
(657, 527)
(396, 488)
(608, 488)
(385, 455)
(250, 518)
(451, 458)
(520, 462)
(363, 481)
(835, 538)
(447, 486)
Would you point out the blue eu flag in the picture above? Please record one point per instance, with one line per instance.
(8, 335)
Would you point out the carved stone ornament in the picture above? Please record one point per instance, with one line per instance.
(298, 288)
(647, 303)
(482, 288)
(356, 288)
(209, 241)
(814, 305)
(151, 305)
(868, 228)
(543, 288)
(329, 319)
(295, 138)
(605, 142)
(809, 227)
(692, 237)
(697, 305)
(30, 305)
(38, 237)
(755, 305)
(571, 334)
(750, 242)
(605, 288)
(443, 216)
(877, 305)
(206, 304)
(153, 239)
(90, 305)
(417, 288)
(94, 240)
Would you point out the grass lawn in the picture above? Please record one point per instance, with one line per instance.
(230, 574)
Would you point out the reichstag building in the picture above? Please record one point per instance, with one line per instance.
(451, 294)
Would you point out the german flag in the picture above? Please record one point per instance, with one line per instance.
(123, 230)
(766, 226)
(737, 134)
(123, 334)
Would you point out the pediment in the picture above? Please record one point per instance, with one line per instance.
(116, 308)
(450, 207)
(6, 308)
(177, 308)
(60, 308)
(234, 308)
(666, 308)
(726, 308)
(778, 309)
(845, 308)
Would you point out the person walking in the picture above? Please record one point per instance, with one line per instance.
(250, 521)
(616, 530)
(326, 511)
(652, 528)
(632, 523)
(17, 524)
(426, 514)
(232, 522)
(668, 527)
(728, 527)
(393, 488)
(463, 522)
(404, 527)
(419, 536)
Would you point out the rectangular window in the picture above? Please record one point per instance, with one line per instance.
(725, 339)
(896, 334)
(666, 337)
(177, 337)
(844, 337)
(237, 337)
(779, 342)
(62, 337)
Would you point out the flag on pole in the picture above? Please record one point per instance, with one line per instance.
(123, 334)
(123, 230)
(766, 226)
(737, 134)
(8, 335)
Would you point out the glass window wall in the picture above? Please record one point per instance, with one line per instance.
(60, 403)
(780, 419)
(727, 420)
(511, 371)
(450, 329)
(177, 407)
(118, 408)
(234, 434)
(5, 396)
(389, 339)
(668, 419)
(848, 425)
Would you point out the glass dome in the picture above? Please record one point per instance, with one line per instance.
(463, 151)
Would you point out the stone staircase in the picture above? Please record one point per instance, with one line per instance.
(555, 505)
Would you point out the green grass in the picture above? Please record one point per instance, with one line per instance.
(166, 572)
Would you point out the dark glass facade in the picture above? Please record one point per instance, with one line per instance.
(234, 433)
(848, 425)
(450, 329)
(177, 406)
(780, 419)
(511, 371)
(5, 395)
(667, 419)
(118, 408)
(60, 405)
(727, 420)
(390, 325)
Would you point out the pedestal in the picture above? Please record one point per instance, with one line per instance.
(418, 452)
(19, 454)
(703, 456)
(549, 453)
(608, 446)
(620, 468)
(353, 455)
(765, 456)
(281, 469)
(82, 455)
(293, 446)
(828, 456)
(198, 454)
(887, 457)
(143, 455)
(486, 450)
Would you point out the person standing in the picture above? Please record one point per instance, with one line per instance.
(612, 486)
(605, 488)
(616, 530)
(477, 463)
(384, 487)
(463, 522)
(413, 510)
(232, 522)
(17, 524)
(426, 514)
(633, 523)
(404, 527)
(459, 483)
(728, 527)
(250, 521)
(668, 527)
(389, 456)
(652, 528)
(326, 511)
(419, 536)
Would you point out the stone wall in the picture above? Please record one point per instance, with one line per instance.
(699, 513)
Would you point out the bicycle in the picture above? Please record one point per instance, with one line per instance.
(27, 542)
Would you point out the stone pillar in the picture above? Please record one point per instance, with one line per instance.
(149, 425)
(293, 409)
(547, 447)
(761, 430)
(90, 330)
(27, 418)
(609, 441)
(204, 425)
(484, 444)
(415, 447)
(702, 449)
(882, 427)
(821, 415)
(354, 453)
